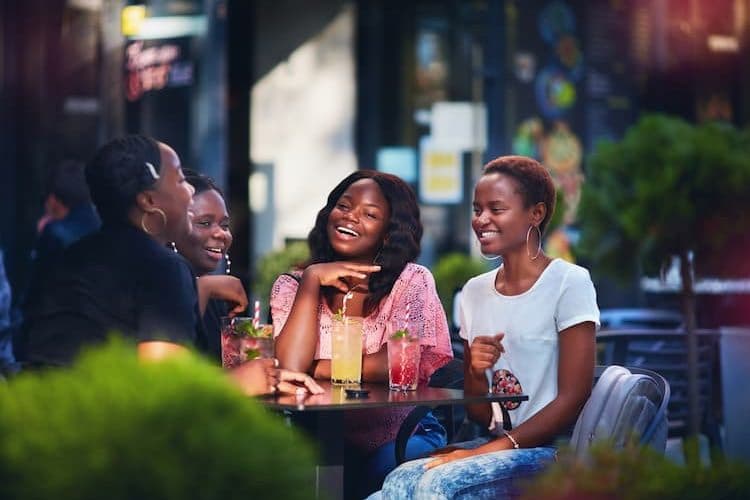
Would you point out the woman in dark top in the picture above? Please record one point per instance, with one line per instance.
(206, 249)
(123, 278)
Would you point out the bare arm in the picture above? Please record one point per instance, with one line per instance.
(295, 344)
(574, 380)
(480, 356)
(575, 374)
(228, 288)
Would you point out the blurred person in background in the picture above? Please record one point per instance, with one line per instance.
(68, 216)
(7, 361)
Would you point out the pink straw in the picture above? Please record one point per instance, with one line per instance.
(256, 314)
(406, 320)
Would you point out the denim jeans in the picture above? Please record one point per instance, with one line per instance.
(490, 475)
(428, 437)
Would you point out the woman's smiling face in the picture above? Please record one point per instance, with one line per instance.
(500, 218)
(210, 237)
(358, 222)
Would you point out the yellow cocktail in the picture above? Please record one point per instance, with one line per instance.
(346, 350)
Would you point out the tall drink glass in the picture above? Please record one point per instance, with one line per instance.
(403, 358)
(242, 341)
(346, 350)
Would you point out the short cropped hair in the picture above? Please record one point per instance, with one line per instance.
(201, 182)
(535, 181)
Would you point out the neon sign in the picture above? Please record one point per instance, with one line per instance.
(154, 67)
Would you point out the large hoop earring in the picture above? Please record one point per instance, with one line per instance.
(229, 264)
(490, 258)
(143, 221)
(485, 257)
(539, 245)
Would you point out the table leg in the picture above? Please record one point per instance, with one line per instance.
(329, 473)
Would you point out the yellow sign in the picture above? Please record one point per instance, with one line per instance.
(132, 18)
(441, 174)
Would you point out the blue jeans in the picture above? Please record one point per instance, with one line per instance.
(428, 437)
(490, 475)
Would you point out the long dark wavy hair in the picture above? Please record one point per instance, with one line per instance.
(402, 236)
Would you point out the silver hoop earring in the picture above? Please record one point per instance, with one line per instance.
(539, 245)
(229, 263)
(485, 257)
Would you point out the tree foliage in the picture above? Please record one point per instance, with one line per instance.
(666, 188)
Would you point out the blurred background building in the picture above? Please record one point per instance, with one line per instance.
(278, 100)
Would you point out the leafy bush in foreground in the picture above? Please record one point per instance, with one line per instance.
(114, 428)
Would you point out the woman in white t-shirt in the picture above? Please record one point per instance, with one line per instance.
(529, 326)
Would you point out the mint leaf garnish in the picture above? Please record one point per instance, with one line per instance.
(400, 334)
(339, 315)
(247, 329)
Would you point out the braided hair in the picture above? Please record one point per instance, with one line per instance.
(119, 171)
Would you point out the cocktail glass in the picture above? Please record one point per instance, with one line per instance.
(242, 340)
(403, 358)
(346, 350)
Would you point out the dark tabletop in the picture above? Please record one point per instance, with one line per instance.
(335, 398)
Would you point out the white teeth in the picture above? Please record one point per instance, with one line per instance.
(487, 234)
(214, 250)
(346, 230)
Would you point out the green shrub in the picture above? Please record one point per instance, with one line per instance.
(638, 473)
(274, 263)
(114, 428)
(451, 272)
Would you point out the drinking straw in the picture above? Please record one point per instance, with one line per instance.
(406, 319)
(256, 314)
(348, 296)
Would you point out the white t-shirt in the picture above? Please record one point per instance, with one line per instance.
(563, 296)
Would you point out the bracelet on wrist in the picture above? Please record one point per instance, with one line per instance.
(512, 440)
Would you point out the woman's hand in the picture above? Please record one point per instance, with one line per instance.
(291, 382)
(339, 274)
(446, 455)
(485, 351)
(256, 377)
(260, 376)
(451, 453)
(222, 287)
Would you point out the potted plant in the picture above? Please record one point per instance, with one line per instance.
(668, 188)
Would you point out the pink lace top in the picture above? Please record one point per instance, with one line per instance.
(415, 287)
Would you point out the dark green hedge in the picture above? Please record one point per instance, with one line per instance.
(114, 428)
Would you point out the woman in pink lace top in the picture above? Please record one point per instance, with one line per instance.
(364, 241)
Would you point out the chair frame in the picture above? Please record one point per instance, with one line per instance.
(617, 347)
